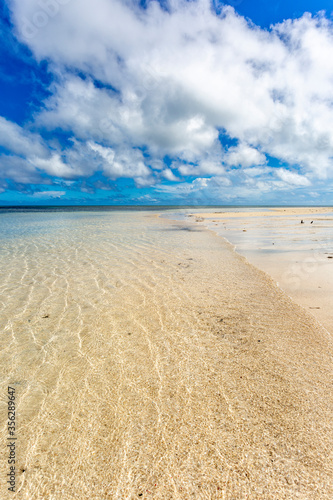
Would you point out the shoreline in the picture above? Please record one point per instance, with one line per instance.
(302, 273)
(269, 212)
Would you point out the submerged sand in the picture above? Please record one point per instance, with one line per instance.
(161, 365)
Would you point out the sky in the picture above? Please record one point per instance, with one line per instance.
(192, 102)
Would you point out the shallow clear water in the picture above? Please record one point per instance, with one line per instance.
(151, 360)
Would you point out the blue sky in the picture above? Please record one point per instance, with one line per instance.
(171, 102)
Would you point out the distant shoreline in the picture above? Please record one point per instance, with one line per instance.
(275, 211)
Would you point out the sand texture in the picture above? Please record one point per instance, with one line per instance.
(293, 245)
(269, 212)
(156, 363)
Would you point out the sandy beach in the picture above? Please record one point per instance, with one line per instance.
(269, 212)
(152, 361)
(293, 245)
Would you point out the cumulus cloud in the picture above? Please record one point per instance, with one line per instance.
(27, 156)
(15, 139)
(174, 82)
(292, 177)
(32, 158)
(127, 163)
(169, 175)
(244, 156)
(18, 170)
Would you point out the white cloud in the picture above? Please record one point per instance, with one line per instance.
(244, 156)
(180, 77)
(49, 194)
(169, 175)
(28, 156)
(292, 177)
(256, 171)
(55, 166)
(125, 163)
(18, 169)
(19, 141)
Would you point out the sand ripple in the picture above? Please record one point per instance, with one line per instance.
(153, 362)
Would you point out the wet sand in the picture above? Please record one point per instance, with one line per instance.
(269, 212)
(157, 363)
(298, 256)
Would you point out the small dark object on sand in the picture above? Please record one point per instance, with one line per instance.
(302, 221)
(46, 316)
(311, 222)
(330, 256)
